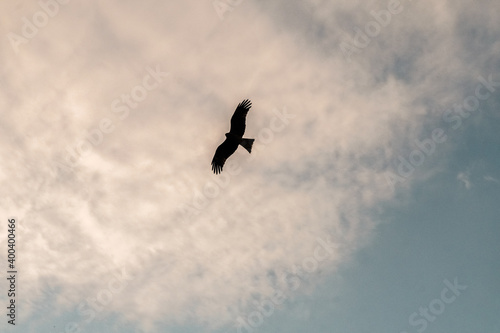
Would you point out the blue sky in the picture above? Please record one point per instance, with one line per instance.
(369, 202)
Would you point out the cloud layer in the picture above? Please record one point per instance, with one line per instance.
(113, 112)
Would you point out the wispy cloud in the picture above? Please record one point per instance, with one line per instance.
(491, 179)
(464, 177)
(121, 206)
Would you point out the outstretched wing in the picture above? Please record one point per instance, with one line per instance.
(239, 117)
(226, 149)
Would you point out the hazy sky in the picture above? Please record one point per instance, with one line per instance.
(369, 202)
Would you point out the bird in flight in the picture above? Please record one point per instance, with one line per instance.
(234, 137)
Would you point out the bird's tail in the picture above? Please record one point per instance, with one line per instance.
(247, 144)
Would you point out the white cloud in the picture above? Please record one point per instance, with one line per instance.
(122, 206)
(464, 177)
(491, 179)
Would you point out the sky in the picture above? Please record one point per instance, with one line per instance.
(369, 202)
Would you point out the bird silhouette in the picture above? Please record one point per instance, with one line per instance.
(234, 138)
